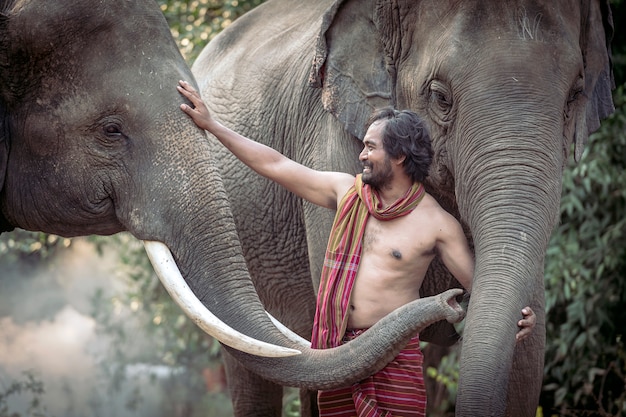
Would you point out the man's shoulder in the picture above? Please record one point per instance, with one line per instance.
(431, 211)
(430, 204)
(343, 182)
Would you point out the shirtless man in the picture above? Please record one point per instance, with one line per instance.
(394, 253)
(397, 253)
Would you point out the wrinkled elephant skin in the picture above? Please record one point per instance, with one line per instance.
(506, 88)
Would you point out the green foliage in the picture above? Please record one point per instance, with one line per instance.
(585, 287)
(30, 386)
(33, 247)
(195, 22)
(291, 402)
(446, 379)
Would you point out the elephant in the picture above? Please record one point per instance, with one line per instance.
(506, 88)
(92, 141)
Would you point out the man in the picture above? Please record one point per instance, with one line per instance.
(386, 232)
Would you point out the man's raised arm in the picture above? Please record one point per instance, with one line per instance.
(319, 187)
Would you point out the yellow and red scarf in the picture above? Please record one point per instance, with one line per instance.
(343, 255)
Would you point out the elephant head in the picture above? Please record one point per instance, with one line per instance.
(92, 141)
(505, 88)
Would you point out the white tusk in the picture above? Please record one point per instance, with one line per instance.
(169, 274)
(294, 337)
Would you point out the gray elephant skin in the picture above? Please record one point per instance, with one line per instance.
(506, 88)
(92, 141)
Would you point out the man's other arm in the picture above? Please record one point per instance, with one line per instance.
(457, 257)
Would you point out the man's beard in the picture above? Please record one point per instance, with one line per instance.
(379, 178)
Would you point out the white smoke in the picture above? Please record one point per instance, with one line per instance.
(46, 328)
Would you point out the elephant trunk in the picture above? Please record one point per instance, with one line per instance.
(510, 200)
(354, 361)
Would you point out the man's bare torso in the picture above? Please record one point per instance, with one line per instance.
(396, 255)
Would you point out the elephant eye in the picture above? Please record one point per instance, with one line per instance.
(440, 101)
(112, 129)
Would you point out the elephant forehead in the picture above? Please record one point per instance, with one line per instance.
(47, 15)
(449, 43)
(66, 32)
(472, 21)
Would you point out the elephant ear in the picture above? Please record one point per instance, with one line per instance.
(595, 43)
(354, 60)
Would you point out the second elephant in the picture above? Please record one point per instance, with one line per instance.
(506, 88)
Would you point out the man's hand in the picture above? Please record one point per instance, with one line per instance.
(527, 323)
(199, 113)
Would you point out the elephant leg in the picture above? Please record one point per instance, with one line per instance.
(308, 403)
(251, 395)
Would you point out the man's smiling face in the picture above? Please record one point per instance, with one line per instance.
(377, 170)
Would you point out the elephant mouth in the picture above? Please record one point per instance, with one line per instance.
(171, 278)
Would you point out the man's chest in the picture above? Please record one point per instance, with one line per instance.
(401, 239)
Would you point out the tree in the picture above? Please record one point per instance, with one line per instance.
(585, 267)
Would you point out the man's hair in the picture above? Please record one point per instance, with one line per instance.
(405, 133)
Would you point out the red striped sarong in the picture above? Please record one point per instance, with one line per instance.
(397, 390)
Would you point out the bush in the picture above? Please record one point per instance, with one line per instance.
(585, 289)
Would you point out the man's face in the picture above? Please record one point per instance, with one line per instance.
(377, 170)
